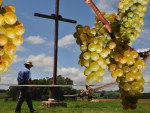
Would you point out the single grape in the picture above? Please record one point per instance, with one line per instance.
(10, 49)
(94, 56)
(119, 72)
(18, 40)
(19, 30)
(3, 40)
(1, 20)
(10, 18)
(129, 76)
(10, 8)
(86, 63)
(7, 60)
(126, 69)
(127, 87)
(100, 72)
(100, 61)
(112, 45)
(138, 75)
(10, 32)
(134, 69)
(92, 47)
(130, 60)
(86, 55)
(94, 66)
(2, 30)
(112, 67)
(87, 71)
(83, 48)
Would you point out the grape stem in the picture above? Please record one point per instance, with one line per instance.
(101, 17)
(145, 55)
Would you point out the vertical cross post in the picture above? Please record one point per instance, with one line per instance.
(56, 43)
(57, 18)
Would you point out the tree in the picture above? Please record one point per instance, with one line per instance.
(42, 93)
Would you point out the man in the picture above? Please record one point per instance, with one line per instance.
(24, 78)
(89, 93)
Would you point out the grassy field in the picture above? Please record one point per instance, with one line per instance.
(78, 107)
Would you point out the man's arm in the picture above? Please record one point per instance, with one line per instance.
(29, 78)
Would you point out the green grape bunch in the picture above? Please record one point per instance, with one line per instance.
(101, 51)
(11, 31)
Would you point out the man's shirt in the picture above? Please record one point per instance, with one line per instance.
(24, 76)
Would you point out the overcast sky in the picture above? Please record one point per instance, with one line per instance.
(39, 37)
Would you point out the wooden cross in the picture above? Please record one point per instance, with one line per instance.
(57, 18)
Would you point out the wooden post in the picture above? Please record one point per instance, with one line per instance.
(54, 91)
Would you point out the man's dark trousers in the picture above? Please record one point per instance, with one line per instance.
(24, 95)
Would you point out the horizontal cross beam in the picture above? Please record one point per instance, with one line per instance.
(54, 17)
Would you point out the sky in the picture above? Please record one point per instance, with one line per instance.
(39, 38)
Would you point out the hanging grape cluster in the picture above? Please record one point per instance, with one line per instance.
(93, 45)
(11, 32)
(132, 13)
(99, 51)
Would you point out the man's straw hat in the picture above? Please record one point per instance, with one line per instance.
(28, 63)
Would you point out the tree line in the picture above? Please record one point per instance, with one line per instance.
(42, 93)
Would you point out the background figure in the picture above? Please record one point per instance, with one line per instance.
(24, 78)
(89, 93)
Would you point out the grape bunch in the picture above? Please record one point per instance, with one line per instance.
(99, 50)
(94, 48)
(132, 13)
(11, 31)
(126, 66)
(90, 58)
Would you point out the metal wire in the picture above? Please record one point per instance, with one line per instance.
(16, 85)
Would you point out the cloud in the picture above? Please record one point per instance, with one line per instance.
(147, 80)
(10, 72)
(66, 40)
(143, 50)
(8, 79)
(41, 60)
(74, 74)
(78, 78)
(21, 49)
(143, 40)
(35, 40)
(107, 6)
(18, 59)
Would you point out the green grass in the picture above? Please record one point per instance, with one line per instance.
(76, 107)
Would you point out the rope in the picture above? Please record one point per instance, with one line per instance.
(103, 86)
(90, 90)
